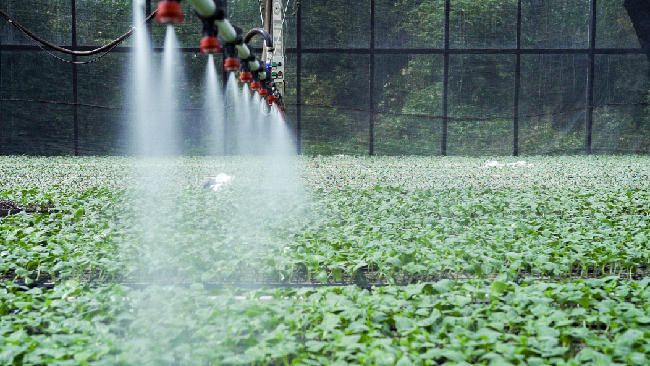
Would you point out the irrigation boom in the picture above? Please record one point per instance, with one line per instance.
(238, 56)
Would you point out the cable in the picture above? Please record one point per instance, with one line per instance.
(105, 48)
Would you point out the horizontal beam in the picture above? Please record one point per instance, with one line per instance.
(469, 51)
(384, 51)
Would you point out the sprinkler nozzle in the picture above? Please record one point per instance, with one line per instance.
(169, 11)
(263, 92)
(245, 77)
(255, 82)
(210, 45)
(272, 98)
(209, 41)
(231, 64)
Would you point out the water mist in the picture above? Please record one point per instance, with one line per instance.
(156, 144)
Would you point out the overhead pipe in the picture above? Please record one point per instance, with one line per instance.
(262, 32)
(235, 47)
(213, 13)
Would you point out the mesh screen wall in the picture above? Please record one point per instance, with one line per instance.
(379, 77)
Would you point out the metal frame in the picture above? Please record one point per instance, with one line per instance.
(75, 89)
(589, 103)
(445, 80)
(2, 136)
(515, 120)
(591, 51)
(371, 84)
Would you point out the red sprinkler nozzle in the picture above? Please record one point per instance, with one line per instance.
(256, 85)
(231, 64)
(245, 77)
(210, 45)
(169, 12)
(272, 98)
(263, 92)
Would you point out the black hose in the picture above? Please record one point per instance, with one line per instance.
(263, 33)
(106, 47)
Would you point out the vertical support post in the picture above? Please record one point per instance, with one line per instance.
(445, 82)
(75, 107)
(515, 129)
(75, 90)
(590, 77)
(268, 16)
(299, 80)
(371, 89)
(2, 136)
(268, 24)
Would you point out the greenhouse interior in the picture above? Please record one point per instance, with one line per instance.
(289, 182)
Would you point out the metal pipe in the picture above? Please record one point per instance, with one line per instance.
(267, 16)
(268, 19)
(262, 32)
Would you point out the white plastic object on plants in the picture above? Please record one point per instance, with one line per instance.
(496, 164)
(215, 182)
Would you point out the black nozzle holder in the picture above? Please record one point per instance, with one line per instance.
(245, 67)
(256, 76)
(209, 28)
(229, 50)
(239, 39)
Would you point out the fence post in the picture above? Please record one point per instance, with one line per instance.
(445, 82)
(75, 90)
(590, 78)
(299, 80)
(371, 117)
(515, 142)
(2, 136)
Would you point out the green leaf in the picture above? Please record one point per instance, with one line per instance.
(337, 273)
(322, 277)
(498, 287)
(404, 325)
(79, 214)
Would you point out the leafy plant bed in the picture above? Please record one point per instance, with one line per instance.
(597, 321)
(542, 264)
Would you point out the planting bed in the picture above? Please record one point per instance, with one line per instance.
(542, 263)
